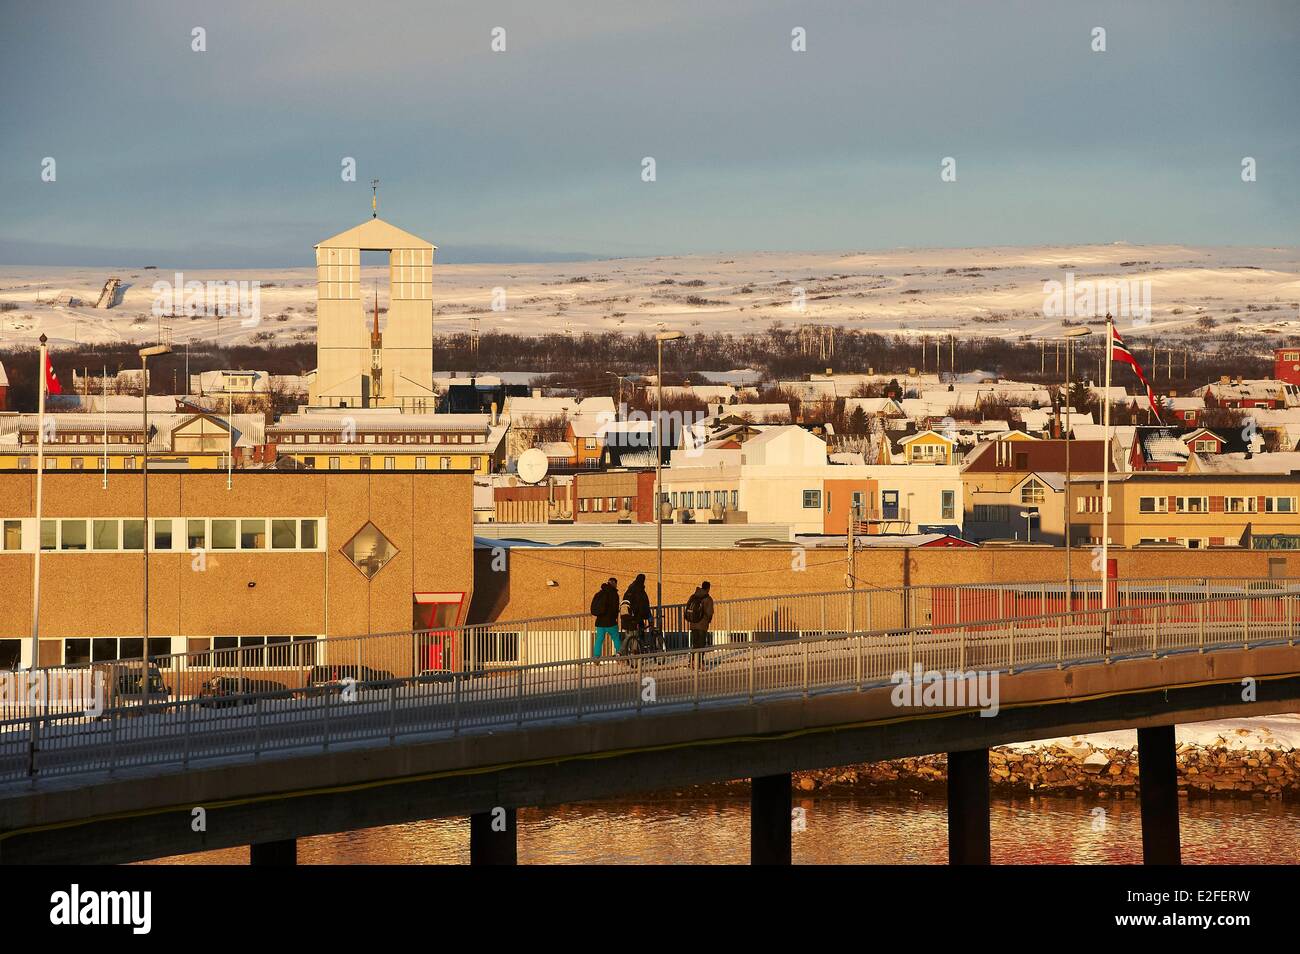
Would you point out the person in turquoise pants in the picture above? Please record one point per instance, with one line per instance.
(604, 606)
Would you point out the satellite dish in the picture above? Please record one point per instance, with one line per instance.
(532, 465)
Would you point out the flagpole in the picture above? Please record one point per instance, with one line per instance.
(1105, 488)
(103, 378)
(40, 502)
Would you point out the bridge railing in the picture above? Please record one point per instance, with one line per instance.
(736, 669)
(288, 664)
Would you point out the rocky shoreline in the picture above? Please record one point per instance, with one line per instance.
(1075, 769)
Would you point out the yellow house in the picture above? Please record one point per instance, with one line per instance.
(382, 439)
(177, 441)
(927, 447)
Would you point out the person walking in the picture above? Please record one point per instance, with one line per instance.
(699, 615)
(639, 600)
(604, 607)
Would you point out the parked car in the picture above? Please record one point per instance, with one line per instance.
(128, 687)
(330, 679)
(224, 691)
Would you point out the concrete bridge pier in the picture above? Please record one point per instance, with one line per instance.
(278, 853)
(968, 808)
(1158, 787)
(770, 804)
(494, 837)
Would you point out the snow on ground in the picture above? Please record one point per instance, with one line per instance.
(994, 292)
(1266, 732)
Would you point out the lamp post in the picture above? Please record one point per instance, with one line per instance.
(660, 338)
(145, 355)
(1029, 515)
(1069, 402)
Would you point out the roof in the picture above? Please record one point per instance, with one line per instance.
(1045, 455)
(390, 422)
(1161, 445)
(375, 235)
(4, 378)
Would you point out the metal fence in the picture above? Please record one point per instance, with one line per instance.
(135, 732)
(289, 664)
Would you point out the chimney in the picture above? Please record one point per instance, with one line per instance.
(494, 414)
(871, 370)
(829, 372)
(1173, 394)
(1225, 379)
(911, 372)
(537, 392)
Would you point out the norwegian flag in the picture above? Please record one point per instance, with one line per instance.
(1119, 352)
(52, 385)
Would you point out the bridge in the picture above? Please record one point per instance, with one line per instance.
(283, 744)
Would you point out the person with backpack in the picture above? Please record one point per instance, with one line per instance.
(699, 614)
(604, 607)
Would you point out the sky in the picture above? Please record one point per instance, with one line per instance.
(233, 156)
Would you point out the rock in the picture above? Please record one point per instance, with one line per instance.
(1095, 762)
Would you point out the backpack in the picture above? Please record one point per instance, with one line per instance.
(598, 603)
(692, 611)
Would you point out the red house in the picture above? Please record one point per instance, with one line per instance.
(1286, 366)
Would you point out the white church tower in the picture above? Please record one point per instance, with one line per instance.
(345, 370)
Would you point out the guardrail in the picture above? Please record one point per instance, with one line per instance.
(286, 663)
(254, 724)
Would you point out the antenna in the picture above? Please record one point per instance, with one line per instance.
(374, 198)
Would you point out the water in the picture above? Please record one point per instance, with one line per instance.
(850, 830)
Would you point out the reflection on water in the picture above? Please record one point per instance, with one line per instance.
(874, 830)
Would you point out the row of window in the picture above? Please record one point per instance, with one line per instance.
(390, 463)
(112, 534)
(1230, 504)
(705, 499)
(403, 438)
(252, 651)
(598, 504)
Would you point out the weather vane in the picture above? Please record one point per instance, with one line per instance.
(374, 198)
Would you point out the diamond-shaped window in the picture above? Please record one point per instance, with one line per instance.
(369, 550)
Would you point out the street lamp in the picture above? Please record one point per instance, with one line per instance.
(1029, 515)
(1070, 335)
(660, 338)
(145, 355)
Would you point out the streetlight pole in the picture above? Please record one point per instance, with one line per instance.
(145, 355)
(1029, 525)
(660, 338)
(1069, 403)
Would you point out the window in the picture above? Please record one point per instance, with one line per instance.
(1193, 504)
(335, 463)
(132, 534)
(1205, 446)
(390, 463)
(1032, 492)
(162, 534)
(688, 500)
(444, 463)
(307, 537)
(284, 534)
(13, 536)
(72, 534)
(889, 504)
(735, 500)
(627, 503)
(582, 505)
(421, 463)
(1153, 504)
(1239, 504)
(196, 534)
(474, 462)
(991, 513)
(104, 535)
(812, 499)
(613, 504)
(252, 534)
(223, 534)
(1271, 505)
(364, 462)
(49, 534)
(948, 504)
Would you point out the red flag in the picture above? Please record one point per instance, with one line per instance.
(52, 385)
(1119, 352)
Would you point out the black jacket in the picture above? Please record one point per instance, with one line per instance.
(604, 606)
(638, 600)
